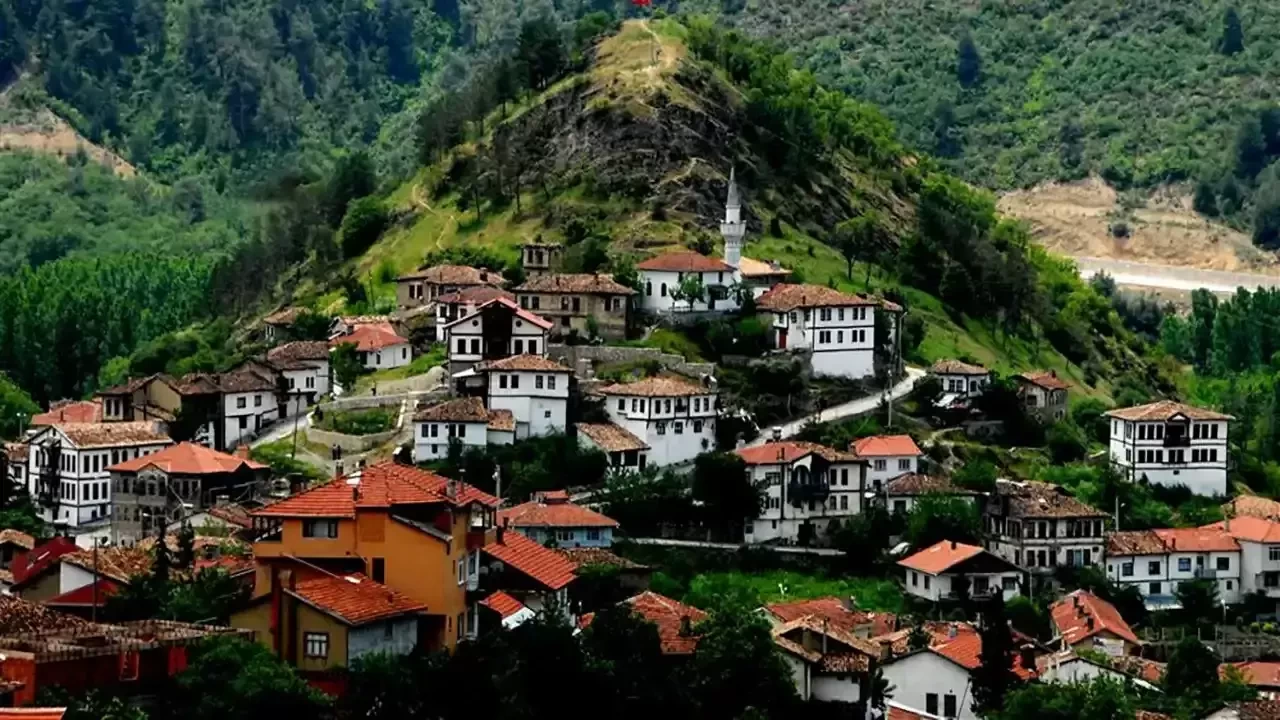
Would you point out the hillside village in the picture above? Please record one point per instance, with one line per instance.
(749, 411)
(386, 545)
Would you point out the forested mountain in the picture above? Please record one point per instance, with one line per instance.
(1009, 94)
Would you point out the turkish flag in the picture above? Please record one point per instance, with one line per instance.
(641, 3)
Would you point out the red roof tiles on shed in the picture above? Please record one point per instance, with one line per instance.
(355, 599)
(885, 446)
(940, 557)
(670, 616)
(503, 604)
(539, 563)
(1072, 623)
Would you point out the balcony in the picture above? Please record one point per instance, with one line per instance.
(801, 493)
(1202, 573)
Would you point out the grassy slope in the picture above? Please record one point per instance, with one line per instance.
(626, 75)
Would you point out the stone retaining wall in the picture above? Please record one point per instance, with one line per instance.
(577, 357)
(350, 443)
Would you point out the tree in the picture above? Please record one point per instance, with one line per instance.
(978, 474)
(347, 368)
(1199, 600)
(353, 177)
(629, 677)
(736, 669)
(1205, 200)
(1232, 33)
(250, 682)
(946, 132)
(994, 677)
(161, 563)
(857, 239)
(1266, 214)
(186, 559)
(968, 61)
(934, 518)
(1071, 147)
(1100, 699)
(1250, 149)
(1067, 443)
(690, 290)
(1191, 677)
(364, 222)
(541, 50)
(390, 687)
(16, 408)
(730, 498)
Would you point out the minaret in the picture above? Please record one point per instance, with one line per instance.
(733, 228)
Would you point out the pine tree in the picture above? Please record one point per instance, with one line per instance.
(1232, 33)
(186, 546)
(994, 677)
(162, 562)
(968, 61)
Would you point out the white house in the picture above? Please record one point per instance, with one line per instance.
(534, 388)
(1068, 667)
(1043, 395)
(959, 380)
(306, 371)
(902, 492)
(379, 346)
(1259, 540)
(67, 466)
(935, 573)
(549, 517)
(464, 302)
(497, 329)
(1170, 443)
(1039, 526)
(626, 452)
(1155, 562)
(248, 405)
(838, 328)
(674, 416)
(664, 275)
(939, 679)
(887, 456)
(465, 420)
(807, 488)
(827, 663)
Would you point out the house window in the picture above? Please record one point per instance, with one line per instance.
(517, 347)
(257, 401)
(881, 464)
(926, 582)
(320, 528)
(242, 403)
(551, 382)
(502, 382)
(679, 428)
(515, 382)
(1126, 569)
(844, 502)
(537, 382)
(316, 645)
(622, 405)
(475, 346)
(379, 570)
(1153, 567)
(593, 533)
(462, 345)
(664, 290)
(915, 579)
(1184, 564)
(1223, 563)
(662, 428)
(1273, 553)
(1229, 586)
(1008, 583)
(244, 423)
(904, 464)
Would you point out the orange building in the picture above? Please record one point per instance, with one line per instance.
(414, 531)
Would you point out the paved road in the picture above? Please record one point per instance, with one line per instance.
(853, 408)
(281, 430)
(1173, 278)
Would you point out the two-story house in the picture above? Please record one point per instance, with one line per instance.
(378, 346)
(952, 571)
(414, 531)
(959, 380)
(497, 329)
(1156, 562)
(178, 481)
(67, 466)
(1044, 395)
(626, 452)
(551, 519)
(427, 284)
(674, 416)
(903, 492)
(807, 488)
(464, 302)
(533, 388)
(529, 572)
(1083, 620)
(582, 303)
(217, 410)
(887, 456)
(278, 326)
(248, 405)
(838, 328)
(664, 278)
(540, 258)
(1170, 443)
(1259, 540)
(1039, 526)
(464, 421)
(306, 373)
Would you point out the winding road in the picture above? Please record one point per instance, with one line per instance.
(1168, 277)
(853, 408)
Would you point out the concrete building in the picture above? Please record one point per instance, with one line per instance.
(550, 518)
(1083, 620)
(674, 416)
(582, 304)
(663, 277)
(1038, 526)
(887, 456)
(176, 482)
(1155, 562)
(808, 488)
(533, 388)
(839, 329)
(465, 421)
(427, 284)
(951, 571)
(1169, 443)
(67, 466)
(378, 345)
(1044, 395)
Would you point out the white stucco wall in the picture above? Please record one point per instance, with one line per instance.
(372, 638)
(539, 411)
(652, 283)
(914, 676)
(431, 439)
(1202, 477)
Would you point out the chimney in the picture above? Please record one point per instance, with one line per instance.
(1088, 623)
(953, 544)
(686, 626)
(451, 489)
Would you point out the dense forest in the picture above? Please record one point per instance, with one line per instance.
(1012, 94)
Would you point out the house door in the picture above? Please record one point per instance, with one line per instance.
(782, 339)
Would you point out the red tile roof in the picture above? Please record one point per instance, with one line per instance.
(966, 649)
(529, 363)
(297, 352)
(84, 596)
(670, 616)
(379, 487)
(187, 458)
(536, 320)
(787, 296)
(285, 316)
(502, 421)
(503, 604)
(18, 617)
(664, 386)
(774, 453)
(940, 557)
(369, 337)
(33, 713)
(611, 438)
(17, 537)
(1165, 409)
(539, 563)
(553, 515)
(355, 599)
(1167, 540)
(455, 275)
(1253, 529)
(15, 452)
(1071, 619)
(684, 261)
(920, 484)
(85, 411)
(474, 295)
(898, 712)
(1047, 379)
(885, 445)
(461, 410)
(35, 562)
(834, 611)
(120, 434)
(1257, 672)
(752, 268)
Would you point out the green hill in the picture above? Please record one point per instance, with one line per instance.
(631, 157)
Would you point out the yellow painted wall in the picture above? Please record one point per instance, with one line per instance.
(258, 619)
